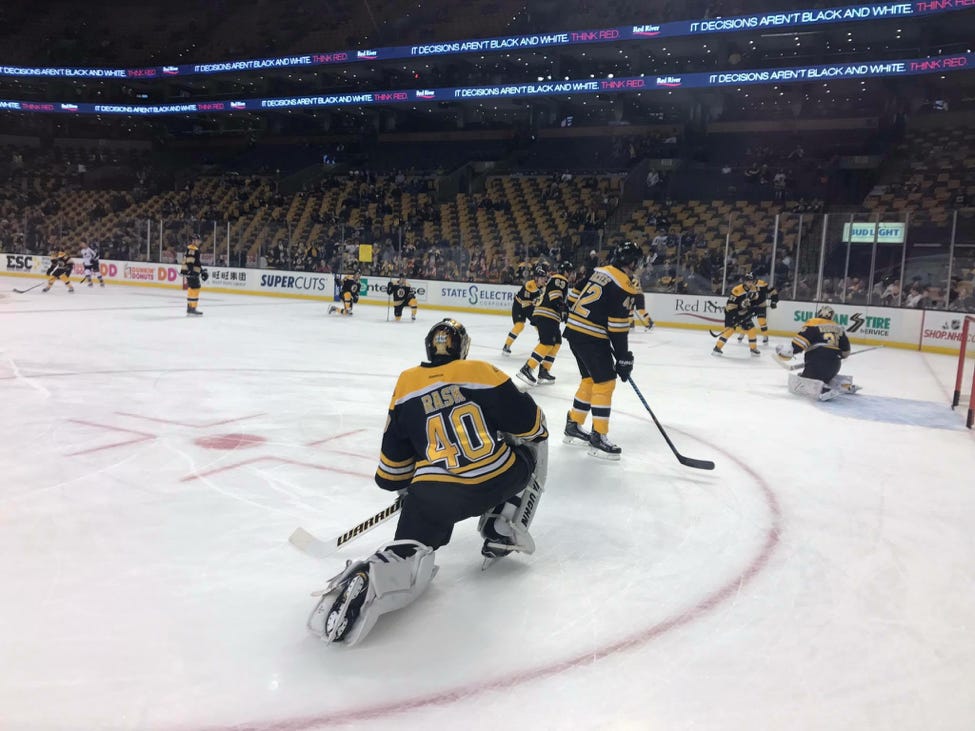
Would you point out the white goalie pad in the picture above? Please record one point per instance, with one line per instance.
(515, 516)
(390, 583)
(810, 387)
(843, 384)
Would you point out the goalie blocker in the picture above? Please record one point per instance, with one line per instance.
(460, 441)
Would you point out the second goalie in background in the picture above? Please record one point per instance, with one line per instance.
(402, 295)
(824, 346)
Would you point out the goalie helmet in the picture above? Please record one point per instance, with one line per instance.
(825, 312)
(447, 340)
(626, 255)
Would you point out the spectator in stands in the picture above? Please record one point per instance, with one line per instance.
(855, 291)
(914, 296)
(891, 296)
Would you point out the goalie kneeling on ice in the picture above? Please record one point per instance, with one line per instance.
(814, 388)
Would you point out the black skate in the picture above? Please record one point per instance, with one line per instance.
(345, 609)
(545, 377)
(193, 312)
(601, 447)
(574, 434)
(716, 351)
(505, 350)
(527, 376)
(755, 351)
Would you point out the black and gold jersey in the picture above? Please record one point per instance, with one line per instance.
(602, 311)
(819, 333)
(552, 303)
(444, 421)
(764, 294)
(350, 284)
(739, 301)
(191, 263)
(62, 261)
(401, 292)
(578, 285)
(529, 292)
(639, 299)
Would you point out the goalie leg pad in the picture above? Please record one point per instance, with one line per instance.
(505, 527)
(843, 384)
(382, 583)
(800, 386)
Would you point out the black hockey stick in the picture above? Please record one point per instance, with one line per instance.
(698, 464)
(713, 334)
(305, 541)
(25, 291)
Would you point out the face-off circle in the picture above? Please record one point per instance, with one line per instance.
(230, 441)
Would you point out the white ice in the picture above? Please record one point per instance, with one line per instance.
(821, 577)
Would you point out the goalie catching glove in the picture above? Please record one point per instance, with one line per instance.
(624, 366)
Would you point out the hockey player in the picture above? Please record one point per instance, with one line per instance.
(403, 295)
(193, 270)
(639, 311)
(60, 268)
(349, 294)
(824, 345)
(763, 296)
(548, 316)
(524, 305)
(597, 330)
(89, 260)
(461, 441)
(737, 314)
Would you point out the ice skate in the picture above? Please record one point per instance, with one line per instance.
(332, 309)
(574, 434)
(193, 312)
(506, 351)
(755, 351)
(345, 609)
(527, 376)
(544, 377)
(765, 340)
(601, 447)
(828, 394)
(716, 351)
(741, 337)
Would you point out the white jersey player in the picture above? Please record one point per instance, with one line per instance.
(89, 260)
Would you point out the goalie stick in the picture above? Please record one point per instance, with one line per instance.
(25, 291)
(698, 464)
(307, 543)
(800, 366)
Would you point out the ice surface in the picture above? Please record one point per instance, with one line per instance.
(820, 578)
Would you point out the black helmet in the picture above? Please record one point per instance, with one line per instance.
(565, 267)
(750, 277)
(540, 271)
(447, 340)
(625, 255)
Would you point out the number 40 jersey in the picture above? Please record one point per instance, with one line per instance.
(443, 425)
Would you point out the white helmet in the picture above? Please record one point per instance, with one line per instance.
(825, 312)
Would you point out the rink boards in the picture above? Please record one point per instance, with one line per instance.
(928, 330)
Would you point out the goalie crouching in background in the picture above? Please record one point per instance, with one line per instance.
(824, 345)
(461, 441)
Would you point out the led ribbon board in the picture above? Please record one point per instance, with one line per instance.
(675, 29)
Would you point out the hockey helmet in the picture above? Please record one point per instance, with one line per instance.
(626, 255)
(447, 340)
(825, 312)
(194, 243)
(540, 271)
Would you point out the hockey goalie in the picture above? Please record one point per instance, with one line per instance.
(824, 345)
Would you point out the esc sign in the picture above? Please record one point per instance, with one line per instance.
(864, 233)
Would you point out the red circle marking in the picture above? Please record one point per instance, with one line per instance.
(590, 655)
(230, 441)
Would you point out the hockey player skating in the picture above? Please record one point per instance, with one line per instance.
(194, 272)
(403, 295)
(524, 305)
(461, 441)
(89, 260)
(349, 294)
(764, 296)
(824, 345)
(598, 330)
(737, 314)
(549, 314)
(60, 268)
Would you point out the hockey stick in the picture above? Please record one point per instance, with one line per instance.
(389, 298)
(25, 291)
(306, 542)
(800, 366)
(698, 464)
